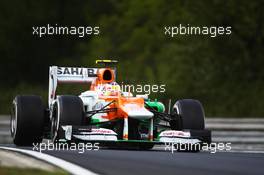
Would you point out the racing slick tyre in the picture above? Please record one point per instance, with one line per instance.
(191, 115)
(27, 120)
(67, 110)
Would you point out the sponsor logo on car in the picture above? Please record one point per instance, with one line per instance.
(76, 71)
(171, 133)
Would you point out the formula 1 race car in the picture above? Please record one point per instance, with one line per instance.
(104, 114)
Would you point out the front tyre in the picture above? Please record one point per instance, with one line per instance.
(27, 120)
(67, 110)
(191, 115)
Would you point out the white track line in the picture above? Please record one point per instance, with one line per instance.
(246, 151)
(70, 167)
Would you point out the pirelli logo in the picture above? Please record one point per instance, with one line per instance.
(68, 71)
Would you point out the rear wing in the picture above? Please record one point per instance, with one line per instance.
(69, 75)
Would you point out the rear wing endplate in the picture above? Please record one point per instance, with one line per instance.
(69, 75)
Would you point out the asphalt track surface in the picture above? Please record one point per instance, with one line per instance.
(158, 162)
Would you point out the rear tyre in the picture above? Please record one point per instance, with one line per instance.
(27, 120)
(68, 110)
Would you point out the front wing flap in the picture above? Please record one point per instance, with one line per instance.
(95, 134)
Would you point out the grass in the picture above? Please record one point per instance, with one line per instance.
(29, 171)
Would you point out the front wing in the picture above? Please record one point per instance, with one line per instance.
(71, 133)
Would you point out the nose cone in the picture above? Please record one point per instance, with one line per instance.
(137, 111)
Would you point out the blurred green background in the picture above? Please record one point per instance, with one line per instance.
(225, 73)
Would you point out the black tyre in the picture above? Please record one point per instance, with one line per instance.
(191, 113)
(191, 118)
(27, 120)
(68, 110)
